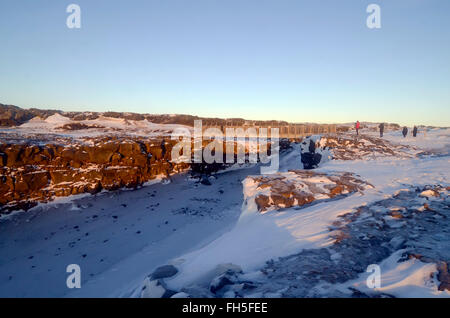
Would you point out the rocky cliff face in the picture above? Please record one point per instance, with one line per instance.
(31, 173)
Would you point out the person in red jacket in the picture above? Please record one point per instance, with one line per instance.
(357, 125)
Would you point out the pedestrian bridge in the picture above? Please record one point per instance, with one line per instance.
(291, 131)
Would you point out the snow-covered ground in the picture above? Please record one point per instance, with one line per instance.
(257, 237)
(119, 238)
(429, 139)
(411, 278)
(55, 125)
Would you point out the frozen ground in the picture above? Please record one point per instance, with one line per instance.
(436, 140)
(408, 241)
(118, 238)
(257, 237)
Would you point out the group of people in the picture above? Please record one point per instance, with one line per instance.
(381, 127)
(405, 131)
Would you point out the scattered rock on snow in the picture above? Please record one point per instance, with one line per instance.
(220, 282)
(164, 272)
(367, 236)
(205, 180)
(226, 275)
(429, 193)
(227, 267)
(156, 289)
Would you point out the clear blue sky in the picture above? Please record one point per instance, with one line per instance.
(291, 60)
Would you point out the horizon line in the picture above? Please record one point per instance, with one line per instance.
(206, 117)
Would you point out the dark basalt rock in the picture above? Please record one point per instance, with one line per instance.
(311, 159)
(164, 272)
(205, 180)
(221, 281)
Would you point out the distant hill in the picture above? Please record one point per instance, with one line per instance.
(11, 115)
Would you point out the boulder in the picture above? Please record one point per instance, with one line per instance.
(310, 160)
(164, 272)
(156, 289)
(227, 274)
(227, 268)
(205, 180)
(221, 281)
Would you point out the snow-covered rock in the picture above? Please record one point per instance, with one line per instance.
(298, 188)
(152, 289)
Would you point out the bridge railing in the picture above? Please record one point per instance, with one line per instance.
(291, 131)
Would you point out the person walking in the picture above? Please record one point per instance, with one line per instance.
(357, 125)
(381, 126)
(415, 131)
(405, 131)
